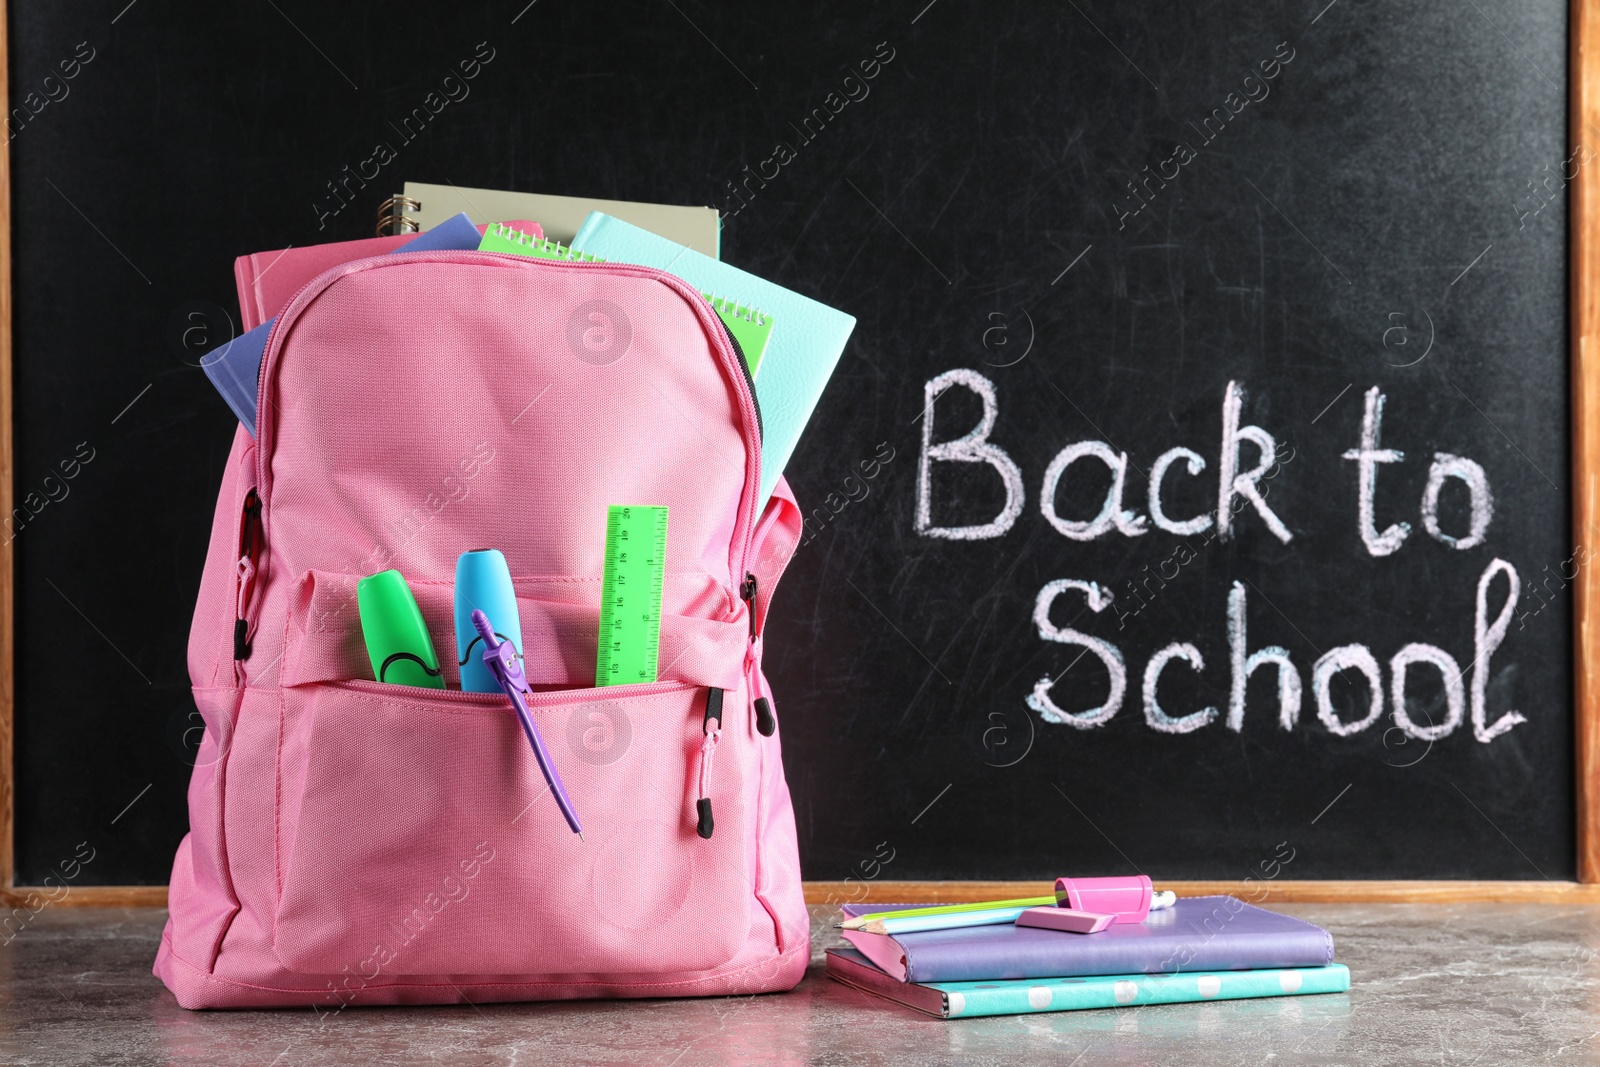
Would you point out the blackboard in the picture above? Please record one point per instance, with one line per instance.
(1113, 217)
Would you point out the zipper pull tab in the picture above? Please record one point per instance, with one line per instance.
(249, 544)
(766, 722)
(249, 520)
(747, 593)
(713, 710)
(704, 823)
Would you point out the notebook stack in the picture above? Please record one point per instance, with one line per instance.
(1201, 948)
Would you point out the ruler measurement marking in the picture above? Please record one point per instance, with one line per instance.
(630, 605)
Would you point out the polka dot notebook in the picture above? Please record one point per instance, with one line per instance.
(961, 1000)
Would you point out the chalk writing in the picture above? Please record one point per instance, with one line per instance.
(1241, 498)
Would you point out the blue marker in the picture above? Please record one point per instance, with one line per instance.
(483, 583)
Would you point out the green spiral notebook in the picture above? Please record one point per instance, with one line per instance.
(751, 328)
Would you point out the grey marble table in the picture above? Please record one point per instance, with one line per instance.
(1432, 984)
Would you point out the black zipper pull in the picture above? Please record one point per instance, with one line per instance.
(713, 709)
(747, 593)
(249, 543)
(766, 722)
(704, 823)
(247, 528)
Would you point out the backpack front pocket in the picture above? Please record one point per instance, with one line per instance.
(417, 836)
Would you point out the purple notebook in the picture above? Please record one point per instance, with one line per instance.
(1196, 934)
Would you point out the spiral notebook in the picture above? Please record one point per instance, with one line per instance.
(423, 206)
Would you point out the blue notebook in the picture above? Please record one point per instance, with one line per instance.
(235, 368)
(807, 339)
(1196, 934)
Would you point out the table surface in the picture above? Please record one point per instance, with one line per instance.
(1435, 984)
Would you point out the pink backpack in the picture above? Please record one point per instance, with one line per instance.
(358, 843)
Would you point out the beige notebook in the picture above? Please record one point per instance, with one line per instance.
(423, 206)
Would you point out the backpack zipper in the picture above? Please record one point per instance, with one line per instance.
(749, 379)
(704, 825)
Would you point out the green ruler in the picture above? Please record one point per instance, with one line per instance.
(630, 597)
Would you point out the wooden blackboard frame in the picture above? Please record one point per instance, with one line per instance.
(1584, 235)
(1584, 332)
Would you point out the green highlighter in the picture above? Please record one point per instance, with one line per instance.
(397, 639)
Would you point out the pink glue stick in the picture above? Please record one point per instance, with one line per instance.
(1126, 897)
(1073, 922)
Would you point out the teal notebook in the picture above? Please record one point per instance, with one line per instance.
(965, 1000)
(805, 345)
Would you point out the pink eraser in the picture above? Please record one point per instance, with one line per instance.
(1073, 922)
(1126, 897)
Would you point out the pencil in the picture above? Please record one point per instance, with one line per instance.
(945, 909)
(1159, 900)
(950, 920)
